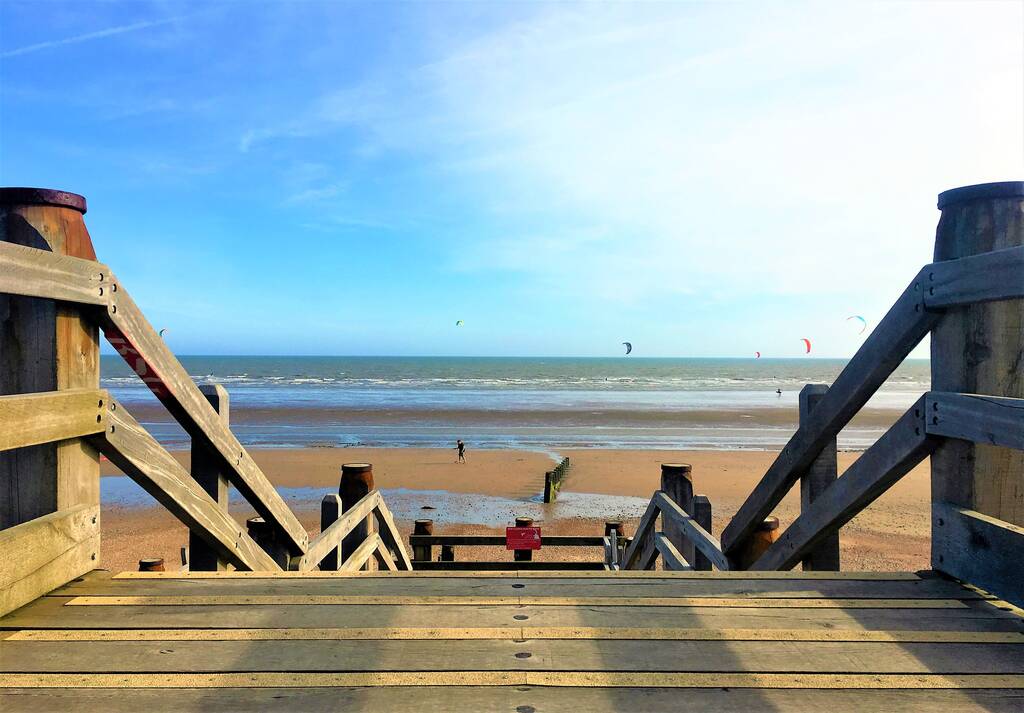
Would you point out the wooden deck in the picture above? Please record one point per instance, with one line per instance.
(513, 641)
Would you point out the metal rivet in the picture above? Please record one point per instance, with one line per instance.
(98, 418)
(113, 308)
(935, 406)
(114, 287)
(101, 403)
(92, 556)
(941, 522)
(935, 419)
(101, 292)
(112, 428)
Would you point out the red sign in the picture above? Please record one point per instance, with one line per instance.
(522, 538)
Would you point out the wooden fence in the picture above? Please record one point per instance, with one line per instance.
(971, 301)
(55, 299)
(553, 480)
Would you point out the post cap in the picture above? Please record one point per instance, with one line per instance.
(524, 521)
(356, 467)
(41, 196)
(675, 468)
(769, 524)
(981, 191)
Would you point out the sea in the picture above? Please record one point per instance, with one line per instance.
(535, 403)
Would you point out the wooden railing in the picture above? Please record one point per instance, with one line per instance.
(54, 297)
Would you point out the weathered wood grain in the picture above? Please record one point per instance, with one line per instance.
(677, 486)
(902, 328)
(34, 272)
(642, 544)
(330, 539)
(31, 419)
(991, 420)
(986, 277)
(980, 549)
(391, 538)
(207, 470)
(891, 457)
(821, 473)
(671, 558)
(42, 554)
(134, 338)
(701, 538)
(130, 447)
(361, 554)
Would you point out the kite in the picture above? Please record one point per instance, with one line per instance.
(863, 322)
(758, 355)
(807, 342)
(161, 332)
(629, 347)
(459, 323)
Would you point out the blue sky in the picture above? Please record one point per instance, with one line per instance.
(702, 179)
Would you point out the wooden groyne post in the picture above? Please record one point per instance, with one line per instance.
(423, 553)
(822, 473)
(677, 483)
(47, 346)
(207, 470)
(356, 483)
(978, 488)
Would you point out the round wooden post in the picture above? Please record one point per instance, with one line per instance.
(46, 346)
(151, 564)
(765, 534)
(523, 555)
(423, 553)
(267, 537)
(976, 349)
(677, 482)
(610, 525)
(330, 510)
(356, 483)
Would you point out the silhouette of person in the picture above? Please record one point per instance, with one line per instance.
(461, 448)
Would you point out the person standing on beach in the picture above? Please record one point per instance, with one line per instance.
(461, 448)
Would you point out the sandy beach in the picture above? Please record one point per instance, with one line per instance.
(495, 485)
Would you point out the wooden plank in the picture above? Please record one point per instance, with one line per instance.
(332, 599)
(208, 472)
(423, 655)
(329, 539)
(992, 420)
(390, 537)
(986, 277)
(130, 447)
(571, 583)
(902, 328)
(507, 566)
(643, 540)
(500, 699)
(510, 678)
(132, 336)
(52, 612)
(42, 554)
(361, 554)
(979, 549)
(519, 633)
(717, 576)
(33, 272)
(671, 558)
(31, 419)
(821, 474)
(701, 538)
(384, 559)
(891, 457)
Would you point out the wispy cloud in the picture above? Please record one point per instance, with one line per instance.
(89, 36)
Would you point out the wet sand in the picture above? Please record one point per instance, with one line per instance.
(893, 534)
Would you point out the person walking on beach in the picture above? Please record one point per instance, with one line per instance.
(461, 448)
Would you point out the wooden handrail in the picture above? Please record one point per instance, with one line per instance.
(131, 448)
(40, 273)
(32, 419)
(902, 328)
(701, 538)
(138, 343)
(362, 553)
(670, 556)
(994, 420)
(330, 539)
(986, 277)
(391, 539)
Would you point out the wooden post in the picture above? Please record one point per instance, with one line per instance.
(207, 471)
(447, 553)
(270, 539)
(523, 555)
(423, 553)
(766, 533)
(46, 346)
(702, 514)
(356, 483)
(977, 349)
(330, 510)
(677, 482)
(151, 564)
(822, 473)
(549, 487)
